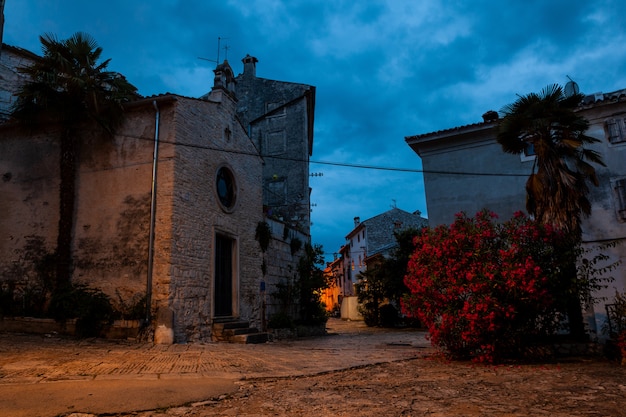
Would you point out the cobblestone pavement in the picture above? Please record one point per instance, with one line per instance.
(354, 371)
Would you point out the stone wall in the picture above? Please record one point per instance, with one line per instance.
(11, 58)
(208, 138)
(196, 138)
(279, 118)
(282, 263)
(282, 139)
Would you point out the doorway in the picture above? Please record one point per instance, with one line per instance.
(223, 295)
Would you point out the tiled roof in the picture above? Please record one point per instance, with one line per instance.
(588, 100)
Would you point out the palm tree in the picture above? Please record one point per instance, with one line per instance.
(67, 87)
(557, 188)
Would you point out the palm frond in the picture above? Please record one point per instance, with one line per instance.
(556, 190)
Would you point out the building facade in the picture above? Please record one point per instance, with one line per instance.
(375, 236)
(208, 201)
(279, 118)
(466, 170)
(370, 239)
(167, 209)
(11, 58)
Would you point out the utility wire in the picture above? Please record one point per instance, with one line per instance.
(331, 163)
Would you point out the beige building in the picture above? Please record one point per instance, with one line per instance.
(466, 170)
(206, 261)
(182, 170)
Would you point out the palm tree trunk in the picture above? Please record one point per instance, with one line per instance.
(67, 200)
(574, 309)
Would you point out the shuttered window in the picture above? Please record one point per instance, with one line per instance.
(616, 130)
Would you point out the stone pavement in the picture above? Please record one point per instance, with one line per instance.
(48, 376)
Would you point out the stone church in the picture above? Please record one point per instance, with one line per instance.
(168, 208)
(278, 117)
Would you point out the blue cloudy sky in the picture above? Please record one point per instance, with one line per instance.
(384, 69)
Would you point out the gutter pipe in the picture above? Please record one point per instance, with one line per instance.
(152, 213)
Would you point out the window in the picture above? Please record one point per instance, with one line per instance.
(225, 188)
(275, 142)
(529, 152)
(616, 130)
(276, 192)
(620, 198)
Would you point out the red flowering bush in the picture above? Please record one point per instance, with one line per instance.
(484, 289)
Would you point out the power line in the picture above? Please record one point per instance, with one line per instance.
(340, 164)
(423, 171)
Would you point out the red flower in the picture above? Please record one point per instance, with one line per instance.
(479, 286)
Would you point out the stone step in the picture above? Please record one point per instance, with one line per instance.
(251, 338)
(228, 329)
(239, 330)
(221, 326)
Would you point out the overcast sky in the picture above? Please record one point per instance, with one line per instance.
(383, 69)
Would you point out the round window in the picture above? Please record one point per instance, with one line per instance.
(225, 186)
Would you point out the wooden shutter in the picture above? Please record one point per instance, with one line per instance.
(620, 191)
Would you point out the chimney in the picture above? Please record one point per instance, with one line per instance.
(490, 116)
(357, 221)
(249, 66)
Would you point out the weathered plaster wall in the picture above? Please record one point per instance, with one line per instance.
(29, 202)
(112, 217)
(604, 224)
(448, 193)
(112, 206)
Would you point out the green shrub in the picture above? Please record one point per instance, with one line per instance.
(280, 321)
(389, 316)
(91, 308)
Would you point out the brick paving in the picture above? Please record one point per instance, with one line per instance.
(31, 358)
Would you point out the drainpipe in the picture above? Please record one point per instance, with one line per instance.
(152, 213)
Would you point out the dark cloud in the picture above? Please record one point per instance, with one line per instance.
(383, 69)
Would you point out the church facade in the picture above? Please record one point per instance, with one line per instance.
(167, 209)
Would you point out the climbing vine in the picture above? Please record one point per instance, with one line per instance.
(263, 235)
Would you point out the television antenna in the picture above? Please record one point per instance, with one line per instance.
(219, 47)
